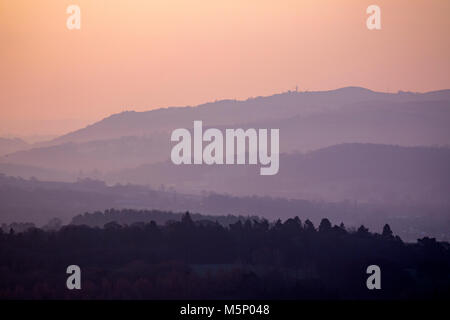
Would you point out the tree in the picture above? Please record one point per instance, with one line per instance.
(309, 226)
(325, 225)
(186, 219)
(387, 232)
(363, 230)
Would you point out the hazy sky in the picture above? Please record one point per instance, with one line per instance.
(140, 55)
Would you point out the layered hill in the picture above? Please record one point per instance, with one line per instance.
(307, 121)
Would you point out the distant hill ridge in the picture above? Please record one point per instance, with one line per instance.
(224, 112)
(308, 121)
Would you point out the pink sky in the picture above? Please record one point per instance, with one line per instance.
(142, 55)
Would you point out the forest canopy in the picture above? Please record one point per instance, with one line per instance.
(203, 259)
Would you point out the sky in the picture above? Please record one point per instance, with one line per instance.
(141, 55)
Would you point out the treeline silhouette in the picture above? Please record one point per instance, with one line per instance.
(130, 216)
(248, 259)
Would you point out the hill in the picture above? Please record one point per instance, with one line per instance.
(11, 145)
(307, 121)
(85, 201)
(360, 172)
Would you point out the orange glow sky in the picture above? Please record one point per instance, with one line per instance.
(140, 55)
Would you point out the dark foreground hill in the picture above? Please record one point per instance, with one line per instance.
(194, 260)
